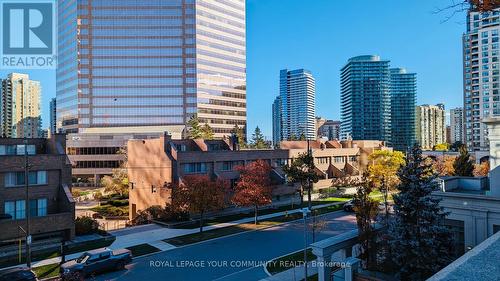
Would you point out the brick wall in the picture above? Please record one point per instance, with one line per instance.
(60, 204)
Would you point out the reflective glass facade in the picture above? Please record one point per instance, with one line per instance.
(276, 112)
(298, 104)
(403, 102)
(365, 99)
(127, 63)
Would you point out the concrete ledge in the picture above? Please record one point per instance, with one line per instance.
(480, 263)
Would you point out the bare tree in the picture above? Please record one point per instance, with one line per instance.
(460, 6)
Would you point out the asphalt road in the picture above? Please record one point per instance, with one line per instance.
(235, 257)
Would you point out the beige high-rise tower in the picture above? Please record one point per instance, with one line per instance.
(431, 125)
(20, 107)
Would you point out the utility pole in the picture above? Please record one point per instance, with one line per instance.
(28, 212)
(309, 187)
(305, 212)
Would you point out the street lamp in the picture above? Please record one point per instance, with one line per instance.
(305, 212)
(26, 186)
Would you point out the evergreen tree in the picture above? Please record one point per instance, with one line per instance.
(302, 137)
(258, 140)
(206, 132)
(463, 165)
(302, 170)
(420, 244)
(194, 128)
(240, 135)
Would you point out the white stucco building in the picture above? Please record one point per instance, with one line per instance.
(474, 203)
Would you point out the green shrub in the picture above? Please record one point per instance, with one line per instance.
(118, 203)
(76, 193)
(167, 214)
(146, 216)
(111, 211)
(98, 195)
(86, 225)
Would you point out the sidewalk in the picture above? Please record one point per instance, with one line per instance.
(154, 234)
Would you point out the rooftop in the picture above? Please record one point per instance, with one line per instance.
(365, 58)
(480, 263)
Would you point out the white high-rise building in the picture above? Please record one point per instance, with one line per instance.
(456, 125)
(481, 75)
(297, 95)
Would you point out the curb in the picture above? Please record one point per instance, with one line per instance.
(234, 234)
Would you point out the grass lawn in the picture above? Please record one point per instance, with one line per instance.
(377, 195)
(90, 246)
(289, 261)
(142, 249)
(224, 231)
(333, 199)
(35, 256)
(47, 271)
(230, 218)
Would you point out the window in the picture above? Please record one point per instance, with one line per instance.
(38, 207)
(105, 255)
(20, 209)
(193, 168)
(17, 149)
(322, 160)
(10, 208)
(17, 178)
(227, 166)
(42, 207)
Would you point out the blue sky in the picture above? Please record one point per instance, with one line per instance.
(320, 35)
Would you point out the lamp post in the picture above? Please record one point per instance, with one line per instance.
(305, 212)
(309, 187)
(26, 186)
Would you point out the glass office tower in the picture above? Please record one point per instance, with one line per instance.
(403, 102)
(132, 63)
(365, 99)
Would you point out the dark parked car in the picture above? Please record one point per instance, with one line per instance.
(349, 206)
(94, 262)
(17, 274)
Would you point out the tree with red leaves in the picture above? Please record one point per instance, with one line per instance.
(199, 194)
(254, 186)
